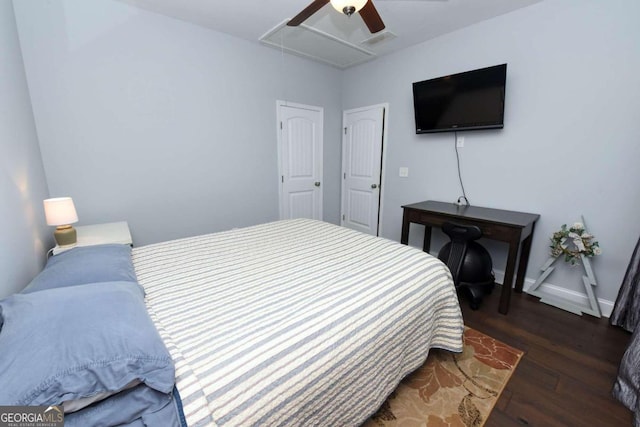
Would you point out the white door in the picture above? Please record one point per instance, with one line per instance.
(362, 161)
(300, 160)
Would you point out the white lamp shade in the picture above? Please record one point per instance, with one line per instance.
(60, 211)
(339, 5)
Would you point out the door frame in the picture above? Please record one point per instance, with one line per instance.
(279, 104)
(383, 167)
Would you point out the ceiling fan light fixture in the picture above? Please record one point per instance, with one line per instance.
(348, 7)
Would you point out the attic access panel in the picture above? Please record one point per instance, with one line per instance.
(311, 43)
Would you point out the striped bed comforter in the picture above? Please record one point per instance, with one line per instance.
(295, 323)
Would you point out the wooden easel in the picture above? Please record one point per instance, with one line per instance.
(589, 281)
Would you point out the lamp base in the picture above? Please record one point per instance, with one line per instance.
(65, 236)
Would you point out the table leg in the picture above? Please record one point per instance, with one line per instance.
(426, 244)
(404, 238)
(505, 296)
(524, 261)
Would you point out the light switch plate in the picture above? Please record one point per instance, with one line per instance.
(460, 141)
(404, 172)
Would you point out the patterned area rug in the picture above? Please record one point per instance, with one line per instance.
(452, 389)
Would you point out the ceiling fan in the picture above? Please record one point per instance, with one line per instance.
(367, 11)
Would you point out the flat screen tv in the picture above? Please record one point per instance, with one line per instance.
(464, 101)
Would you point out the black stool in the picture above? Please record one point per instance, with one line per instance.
(469, 262)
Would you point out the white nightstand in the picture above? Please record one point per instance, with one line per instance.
(100, 234)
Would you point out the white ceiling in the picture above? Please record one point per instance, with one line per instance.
(330, 36)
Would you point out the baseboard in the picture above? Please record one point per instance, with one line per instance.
(606, 306)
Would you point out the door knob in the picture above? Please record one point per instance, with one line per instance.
(317, 183)
(374, 186)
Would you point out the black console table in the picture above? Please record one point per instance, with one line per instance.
(514, 228)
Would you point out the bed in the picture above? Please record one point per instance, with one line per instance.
(296, 322)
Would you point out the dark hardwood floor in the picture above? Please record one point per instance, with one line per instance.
(567, 371)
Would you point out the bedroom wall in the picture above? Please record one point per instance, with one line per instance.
(25, 237)
(571, 141)
(162, 123)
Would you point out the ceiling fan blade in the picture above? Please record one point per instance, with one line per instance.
(371, 17)
(307, 12)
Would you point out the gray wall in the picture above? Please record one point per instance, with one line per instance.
(162, 123)
(571, 141)
(172, 126)
(25, 237)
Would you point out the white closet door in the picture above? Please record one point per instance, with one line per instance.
(362, 145)
(300, 158)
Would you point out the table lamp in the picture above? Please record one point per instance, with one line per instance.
(61, 212)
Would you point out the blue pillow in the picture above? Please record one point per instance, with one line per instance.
(66, 344)
(86, 264)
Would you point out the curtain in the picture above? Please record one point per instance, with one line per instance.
(626, 312)
(627, 385)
